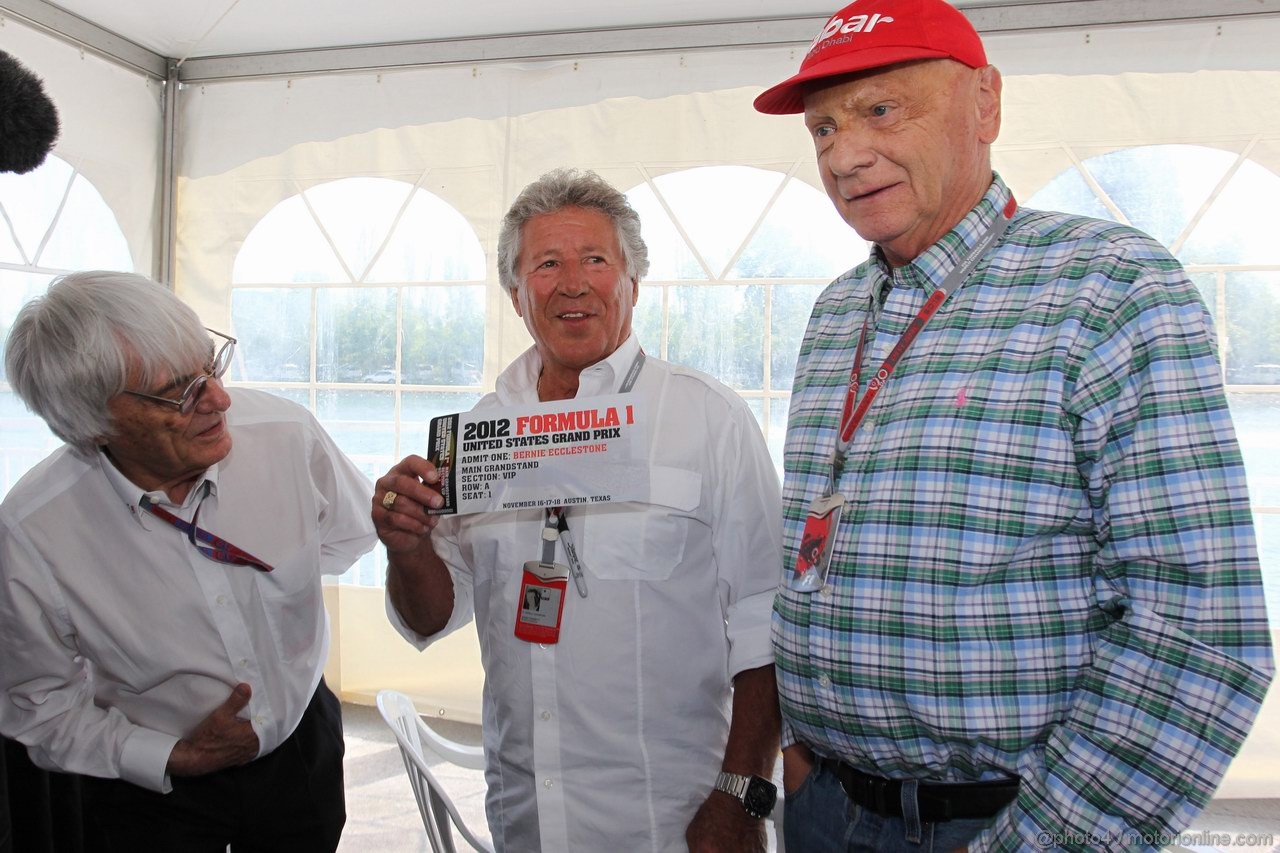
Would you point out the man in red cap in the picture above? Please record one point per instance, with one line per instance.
(1037, 621)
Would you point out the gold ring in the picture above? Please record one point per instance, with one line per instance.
(388, 499)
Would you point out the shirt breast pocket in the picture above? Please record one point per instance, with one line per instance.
(644, 541)
(292, 602)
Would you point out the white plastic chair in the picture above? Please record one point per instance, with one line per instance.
(412, 734)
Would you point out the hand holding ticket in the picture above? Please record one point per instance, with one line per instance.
(402, 501)
(561, 453)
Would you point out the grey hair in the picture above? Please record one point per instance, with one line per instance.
(561, 188)
(69, 351)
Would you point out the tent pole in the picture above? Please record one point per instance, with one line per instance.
(166, 246)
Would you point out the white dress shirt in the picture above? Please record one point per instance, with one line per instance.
(119, 637)
(612, 738)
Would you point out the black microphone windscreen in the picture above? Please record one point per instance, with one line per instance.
(28, 119)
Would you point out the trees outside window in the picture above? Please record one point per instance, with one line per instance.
(738, 255)
(363, 299)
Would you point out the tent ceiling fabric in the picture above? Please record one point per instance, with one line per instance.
(201, 28)
(239, 38)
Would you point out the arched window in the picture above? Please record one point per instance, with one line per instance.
(1215, 211)
(52, 221)
(737, 257)
(363, 299)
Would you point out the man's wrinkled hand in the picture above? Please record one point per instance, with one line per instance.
(223, 739)
(401, 499)
(723, 826)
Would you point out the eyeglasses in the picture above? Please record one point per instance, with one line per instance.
(217, 366)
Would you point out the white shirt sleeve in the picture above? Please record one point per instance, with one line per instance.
(444, 540)
(49, 703)
(747, 537)
(346, 525)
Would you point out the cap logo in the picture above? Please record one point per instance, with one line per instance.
(839, 26)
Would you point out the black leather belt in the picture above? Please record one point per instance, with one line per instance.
(938, 800)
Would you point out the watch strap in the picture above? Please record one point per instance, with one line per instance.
(732, 784)
(757, 795)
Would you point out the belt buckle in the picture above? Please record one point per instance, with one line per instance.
(936, 807)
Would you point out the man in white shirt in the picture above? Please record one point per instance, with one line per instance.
(160, 606)
(615, 736)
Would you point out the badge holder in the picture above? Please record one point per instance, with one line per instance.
(542, 594)
(814, 559)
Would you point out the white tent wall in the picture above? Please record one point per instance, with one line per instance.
(111, 128)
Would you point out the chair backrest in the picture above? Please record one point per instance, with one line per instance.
(434, 804)
(463, 755)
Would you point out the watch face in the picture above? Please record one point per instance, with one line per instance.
(759, 797)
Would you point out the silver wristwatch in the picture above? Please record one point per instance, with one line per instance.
(757, 795)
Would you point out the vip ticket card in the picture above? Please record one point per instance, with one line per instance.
(563, 453)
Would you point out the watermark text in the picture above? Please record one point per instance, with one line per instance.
(1133, 838)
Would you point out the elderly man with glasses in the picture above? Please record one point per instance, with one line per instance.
(161, 617)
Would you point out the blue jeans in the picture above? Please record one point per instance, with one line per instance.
(820, 818)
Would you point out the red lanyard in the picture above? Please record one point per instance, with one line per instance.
(852, 415)
(217, 549)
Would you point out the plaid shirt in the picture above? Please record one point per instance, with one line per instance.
(1047, 565)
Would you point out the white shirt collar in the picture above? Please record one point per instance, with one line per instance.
(132, 495)
(519, 382)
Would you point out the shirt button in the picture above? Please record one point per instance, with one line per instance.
(548, 784)
(824, 682)
(222, 599)
(243, 663)
(542, 646)
(260, 720)
(546, 715)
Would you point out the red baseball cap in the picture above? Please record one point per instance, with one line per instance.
(872, 33)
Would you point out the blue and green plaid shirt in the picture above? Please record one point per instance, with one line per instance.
(1047, 565)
